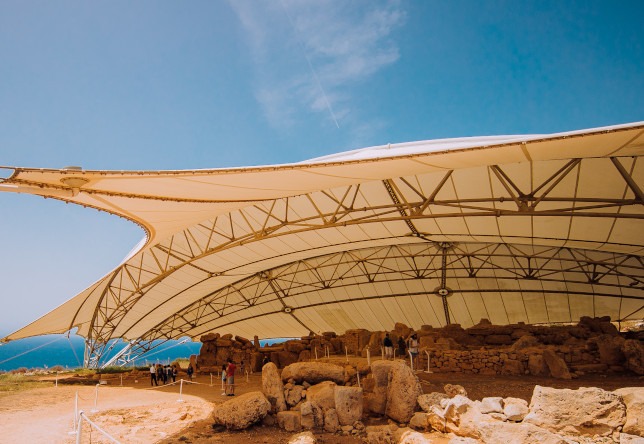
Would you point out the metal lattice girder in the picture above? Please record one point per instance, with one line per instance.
(206, 254)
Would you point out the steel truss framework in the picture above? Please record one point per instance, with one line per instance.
(394, 230)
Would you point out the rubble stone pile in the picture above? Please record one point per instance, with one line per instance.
(322, 396)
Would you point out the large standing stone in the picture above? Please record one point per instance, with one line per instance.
(634, 399)
(322, 395)
(402, 393)
(242, 411)
(634, 352)
(377, 401)
(272, 387)
(348, 404)
(313, 372)
(556, 365)
(610, 349)
(590, 411)
(434, 398)
(537, 365)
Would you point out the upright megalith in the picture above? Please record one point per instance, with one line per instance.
(272, 387)
(402, 393)
(348, 404)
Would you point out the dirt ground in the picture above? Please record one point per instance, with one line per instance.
(135, 413)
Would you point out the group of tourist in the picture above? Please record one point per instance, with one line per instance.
(163, 374)
(411, 343)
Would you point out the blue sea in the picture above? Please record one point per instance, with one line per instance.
(50, 350)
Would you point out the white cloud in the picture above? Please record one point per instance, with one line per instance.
(308, 53)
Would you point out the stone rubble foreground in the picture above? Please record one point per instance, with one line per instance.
(314, 398)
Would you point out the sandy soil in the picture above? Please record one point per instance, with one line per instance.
(46, 415)
(136, 414)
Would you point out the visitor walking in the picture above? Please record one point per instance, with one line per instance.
(174, 373)
(401, 347)
(230, 378)
(168, 373)
(190, 371)
(223, 380)
(412, 342)
(388, 346)
(160, 374)
(153, 375)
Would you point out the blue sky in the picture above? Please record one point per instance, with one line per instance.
(207, 84)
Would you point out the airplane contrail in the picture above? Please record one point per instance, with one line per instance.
(308, 60)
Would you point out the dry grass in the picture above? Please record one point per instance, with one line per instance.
(17, 382)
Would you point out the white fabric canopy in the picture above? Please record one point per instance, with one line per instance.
(543, 228)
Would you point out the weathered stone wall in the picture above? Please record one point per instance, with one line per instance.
(592, 345)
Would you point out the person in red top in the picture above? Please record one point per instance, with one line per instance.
(230, 378)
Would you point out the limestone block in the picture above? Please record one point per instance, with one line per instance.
(293, 395)
(289, 420)
(313, 372)
(242, 411)
(491, 405)
(272, 387)
(404, 436)
(419, 421)
(427, 400)
(634, 352)
(377, 401)
(515, 409)
(589, 411)
(303, 438)
(379, 435)
(510, 432)
(525, 341)
(331, 421)
(307, 415)
(633, 398)
(402, 393)
(453, 390)
(436, 419)
(537, 365)
(322, 395)
(556, 365)
(625, 438)
(610, 349)
(348, 404)
(512, 367)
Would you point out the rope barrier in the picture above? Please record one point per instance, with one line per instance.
(81, 415)
(161, 386)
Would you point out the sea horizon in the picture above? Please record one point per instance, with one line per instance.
(43, 352)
